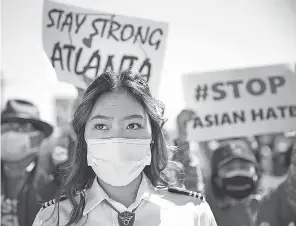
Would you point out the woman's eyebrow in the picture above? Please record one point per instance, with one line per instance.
(102, 117)
(135, 116)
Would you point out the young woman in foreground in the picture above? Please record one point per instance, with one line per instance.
(115, 170)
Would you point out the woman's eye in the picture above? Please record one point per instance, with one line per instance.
(101, 127)
(134, 126)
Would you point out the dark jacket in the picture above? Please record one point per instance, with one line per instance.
(38, 188)
(272, 209)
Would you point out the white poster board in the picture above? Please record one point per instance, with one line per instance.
(82, 43)
(242, 102)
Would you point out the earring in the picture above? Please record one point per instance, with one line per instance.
(151, 144)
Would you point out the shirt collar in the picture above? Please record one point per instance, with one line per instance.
(95, 195)
(145, 190)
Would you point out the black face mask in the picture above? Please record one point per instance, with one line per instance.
(238, 187)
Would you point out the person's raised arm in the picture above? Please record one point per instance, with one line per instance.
(181, 141)
(193, 173)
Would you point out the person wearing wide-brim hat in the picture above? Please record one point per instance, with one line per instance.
(22, 111)
(23, 135)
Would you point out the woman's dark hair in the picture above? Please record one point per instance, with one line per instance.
(174, 173)
(77, 175)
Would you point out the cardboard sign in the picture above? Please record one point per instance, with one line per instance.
(82, 43)
(242, 102)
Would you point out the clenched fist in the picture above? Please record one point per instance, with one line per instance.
(182, 119)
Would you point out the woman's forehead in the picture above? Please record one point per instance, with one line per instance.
(118, 105)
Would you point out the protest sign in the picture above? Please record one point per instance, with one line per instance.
(82, 43)
(242, 102)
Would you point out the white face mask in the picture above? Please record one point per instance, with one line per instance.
(16, 146)
(118, 161)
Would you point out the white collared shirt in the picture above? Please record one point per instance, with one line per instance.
(155, 208)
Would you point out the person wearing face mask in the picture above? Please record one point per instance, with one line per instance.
(116, 171)
(234, 170)
(235, 176)
(234, 193)
(23, 176)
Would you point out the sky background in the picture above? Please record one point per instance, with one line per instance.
(203, 36)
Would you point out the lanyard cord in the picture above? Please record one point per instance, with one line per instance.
(109, 204)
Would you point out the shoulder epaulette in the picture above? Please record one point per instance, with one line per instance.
(51, 202)
(186, 192)
(62, 198)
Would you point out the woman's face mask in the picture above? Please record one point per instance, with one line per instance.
(118, 137)
(118, 161)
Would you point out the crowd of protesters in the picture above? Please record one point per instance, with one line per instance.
(245, 180)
